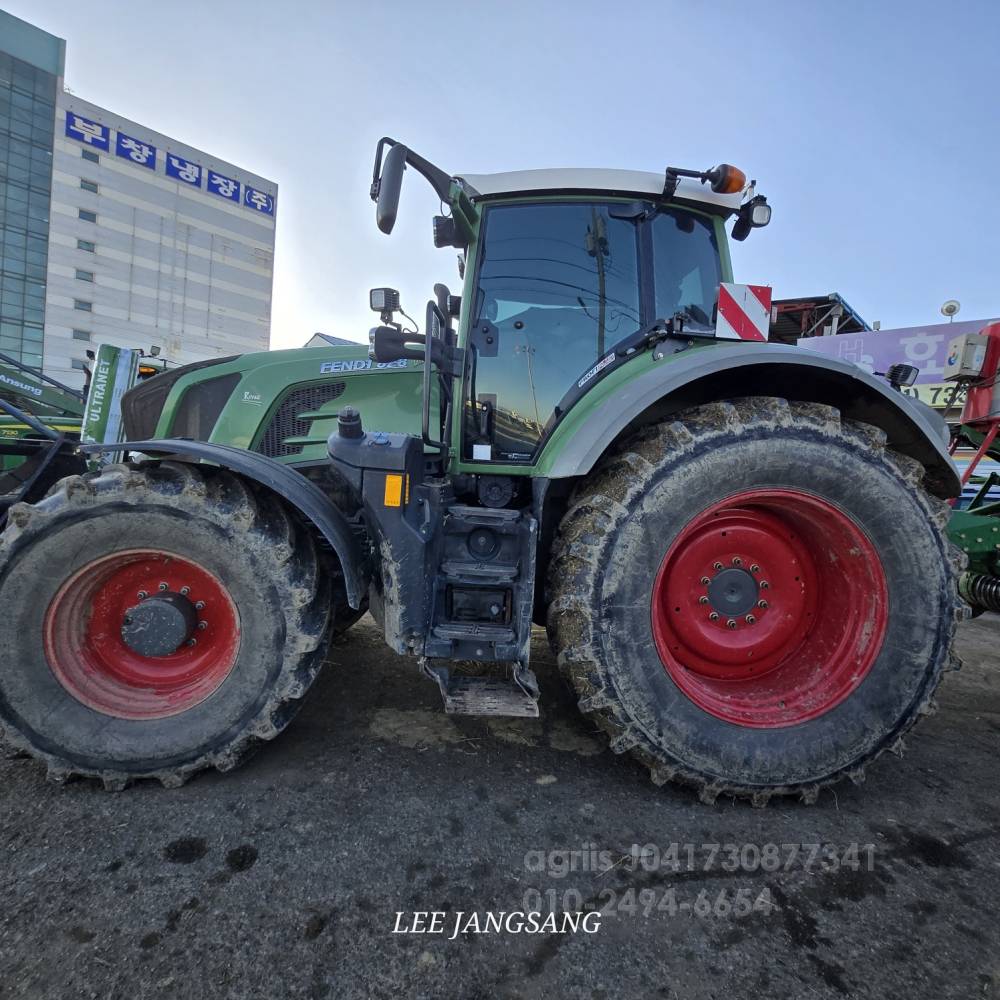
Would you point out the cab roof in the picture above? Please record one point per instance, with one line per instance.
(574, 180)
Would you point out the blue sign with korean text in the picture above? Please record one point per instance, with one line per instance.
(84, 130)
(183, 170)
(226, 187)
(259, 200)
(135, 150)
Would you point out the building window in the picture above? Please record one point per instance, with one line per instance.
(83, 305)
(81, 335)
(88, 185)
(89, 154)
(87, 245)
(87, 216)
(78, 365)
(84, 275)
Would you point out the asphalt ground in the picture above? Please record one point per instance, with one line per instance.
(285, 878)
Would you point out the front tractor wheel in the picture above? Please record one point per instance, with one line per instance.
(158, 621)
(756, 598)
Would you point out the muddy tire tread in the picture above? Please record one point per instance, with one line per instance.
(282, 546)
(607, 497)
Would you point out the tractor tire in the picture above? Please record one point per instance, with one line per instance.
(756, 598)
(159, 620)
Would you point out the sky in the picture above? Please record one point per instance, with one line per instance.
(873, 128)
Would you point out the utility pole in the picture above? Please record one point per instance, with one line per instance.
(597, 247)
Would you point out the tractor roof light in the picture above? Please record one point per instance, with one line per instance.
(726, 179)
(760, 212)
(753, 214)
(723, 179)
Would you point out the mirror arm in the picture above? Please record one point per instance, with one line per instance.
(436, 177)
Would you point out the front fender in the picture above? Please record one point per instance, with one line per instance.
(304, 495)
(702, 375)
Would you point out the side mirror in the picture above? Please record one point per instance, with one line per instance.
(390, 183)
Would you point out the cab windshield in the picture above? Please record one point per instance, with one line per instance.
(559, 285)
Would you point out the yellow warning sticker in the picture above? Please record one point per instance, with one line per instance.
(393, 490)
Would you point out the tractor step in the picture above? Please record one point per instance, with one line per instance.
(485, 695)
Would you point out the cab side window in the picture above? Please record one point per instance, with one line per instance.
(686, 266)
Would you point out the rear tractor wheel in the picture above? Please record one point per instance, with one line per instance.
(158, 621)
(755, 599)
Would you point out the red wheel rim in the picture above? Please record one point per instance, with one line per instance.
(82, 635)
(769, 608)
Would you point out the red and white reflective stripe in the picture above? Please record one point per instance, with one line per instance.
(744, 312)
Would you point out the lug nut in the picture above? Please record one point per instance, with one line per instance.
(705, 580)
(163, 586)
(731, 623)
(203, 625)
(764, 585)
(737, 561)
(198, 605)
(185, 591)
(703, 599)
(191, 642)
(750, 620)
(143, 595)
(754, 568)
(714, 616)
(717, 565)
(762, 604)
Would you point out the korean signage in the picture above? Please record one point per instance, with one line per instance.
(184, 170)
(258, 200)
(88, 132)
(924, 347)
(226, 187)
(175, 166)
(135, 150)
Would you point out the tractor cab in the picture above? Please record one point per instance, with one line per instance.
(567, 273)
(569, 276)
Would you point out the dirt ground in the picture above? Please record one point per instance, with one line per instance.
(285, 878)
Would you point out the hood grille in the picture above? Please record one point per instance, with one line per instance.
(285, 422)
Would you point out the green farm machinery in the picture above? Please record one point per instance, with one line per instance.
(42, 420)
(973, 364)
(739, 549)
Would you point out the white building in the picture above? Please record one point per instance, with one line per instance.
(151, 242)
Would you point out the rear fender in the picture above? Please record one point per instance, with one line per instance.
(301, 493)
(695, 377)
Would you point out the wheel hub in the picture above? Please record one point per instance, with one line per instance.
(733, 592)
(769, 608)
(141, 634)
(159, 625)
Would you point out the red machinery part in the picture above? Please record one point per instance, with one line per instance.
(770, 608)
(982, 404)
(86, 652)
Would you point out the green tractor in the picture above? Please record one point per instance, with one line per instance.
(738, 549)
